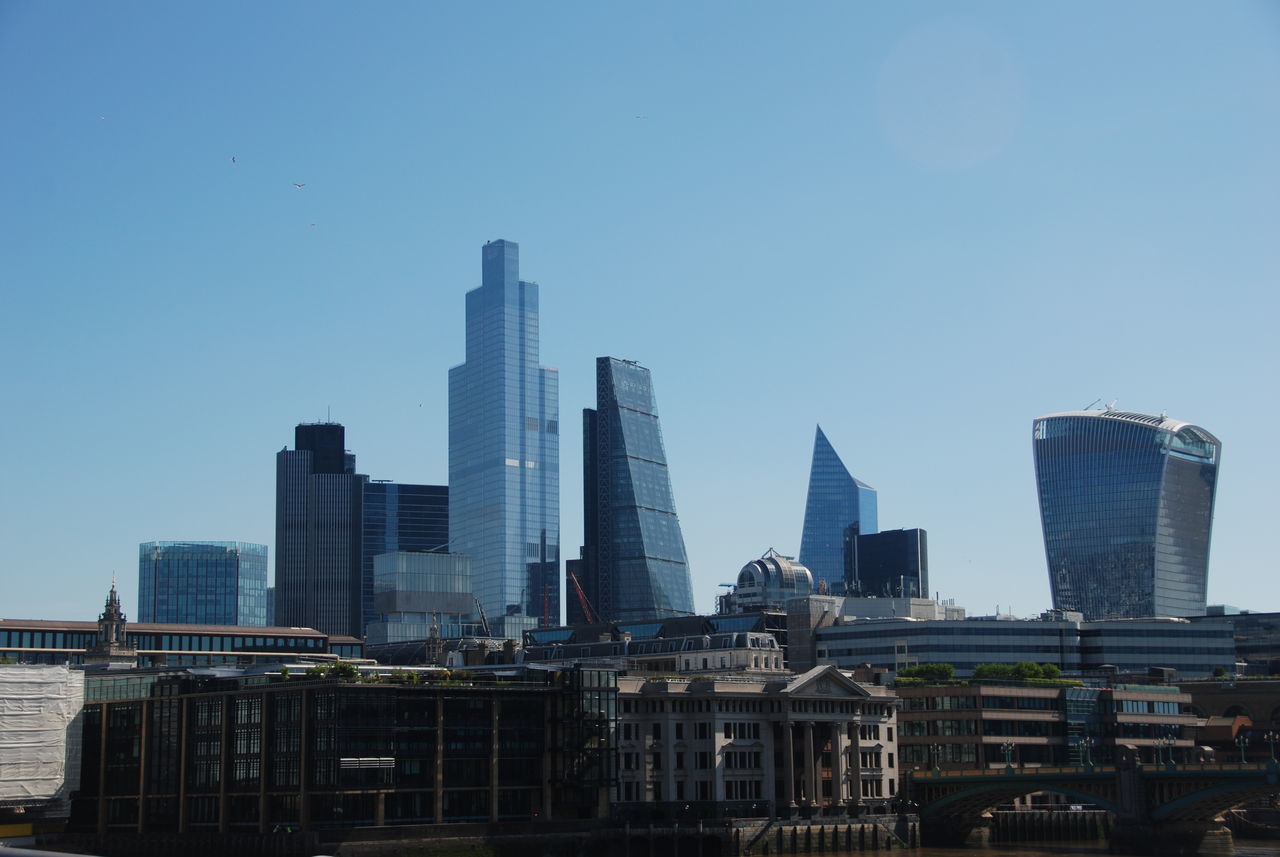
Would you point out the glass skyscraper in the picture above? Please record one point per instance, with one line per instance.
(835, 501)
(400, 517)
(202, 583)
(633, 565)
(319, 502)
(504, 452)
(1126, 502)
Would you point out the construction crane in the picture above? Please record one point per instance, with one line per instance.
(587, 612)
(484, 620)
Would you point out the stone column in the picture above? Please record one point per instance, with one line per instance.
(855, 760)
(789, 758)
(810, 764)
(837, 763)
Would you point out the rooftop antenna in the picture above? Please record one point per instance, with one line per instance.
(1091, 404)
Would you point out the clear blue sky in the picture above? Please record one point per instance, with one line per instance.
(921, 225)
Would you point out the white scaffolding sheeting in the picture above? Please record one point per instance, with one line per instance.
(39, 732)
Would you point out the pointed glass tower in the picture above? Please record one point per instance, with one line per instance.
(835, 501)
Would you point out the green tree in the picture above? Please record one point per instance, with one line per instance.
(1024, 670)
(1051, 671)
(929, 672)
(1002, 671)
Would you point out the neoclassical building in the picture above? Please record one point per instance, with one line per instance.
(818, 742)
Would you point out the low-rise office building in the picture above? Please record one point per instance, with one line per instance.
(821, 631)
(722, 746)
(147, 644)
(224, 751)
(991, 724)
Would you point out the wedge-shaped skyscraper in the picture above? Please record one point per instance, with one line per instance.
(633, 565)
(835, 501)
(1126, 501)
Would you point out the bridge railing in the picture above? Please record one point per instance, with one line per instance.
(1047, 770)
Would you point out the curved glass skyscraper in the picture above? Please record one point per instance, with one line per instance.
(1126, 502)
(835, 501)
(633, 565)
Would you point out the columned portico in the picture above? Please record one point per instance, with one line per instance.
(741, 747)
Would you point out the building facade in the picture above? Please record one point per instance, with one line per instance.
(888, 564)
(1125, 645)
(835, 501)
(202, 583)
(418, 596)
(319, 523)
(231, 754)
(504, 451)
(399, 517)
(39, 742)
(989, 725)
(633, 566)
(1126, 504)
(716, 747)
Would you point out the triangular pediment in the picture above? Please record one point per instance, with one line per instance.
(826, 682)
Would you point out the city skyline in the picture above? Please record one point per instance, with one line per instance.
(920, 227)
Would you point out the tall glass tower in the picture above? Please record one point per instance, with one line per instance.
(836, 500)
(633, 565)
(1126, 502)
(504, 452)
(202, 583)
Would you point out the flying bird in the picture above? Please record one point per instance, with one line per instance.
(299, 186)
(233, 159)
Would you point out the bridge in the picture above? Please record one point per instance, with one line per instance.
(1158, 809)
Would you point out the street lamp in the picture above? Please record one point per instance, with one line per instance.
(937, 757)
(1007, 749)
(1242, 741)
(1271, 738)
(1086, 747)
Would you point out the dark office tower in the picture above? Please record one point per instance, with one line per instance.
(888, 564)
(835, 501)
(319, 500)
(1126, 501)
(633, 557)
(202, 583)
(400, 517)
(504, 452)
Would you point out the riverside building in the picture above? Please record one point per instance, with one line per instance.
(715, 746)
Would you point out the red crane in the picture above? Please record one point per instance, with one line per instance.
(587, 612)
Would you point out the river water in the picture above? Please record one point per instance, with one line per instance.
(1244, 848)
